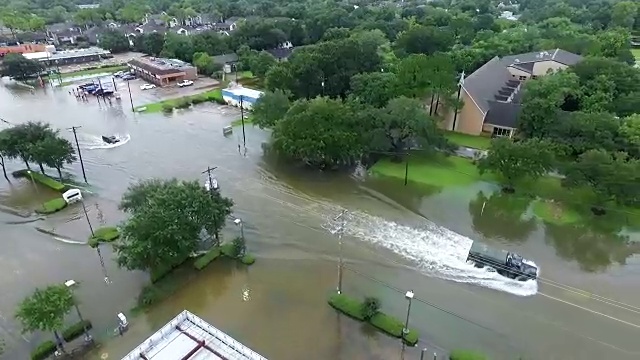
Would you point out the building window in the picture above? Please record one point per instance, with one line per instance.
(521, 78)
(500, 132)
(534, 76)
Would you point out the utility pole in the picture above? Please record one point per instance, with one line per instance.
(406, 170)
(130, 97)
(244, 136)
(104, 268)
(455, 110)
(115, 87)
(208, 171)
(340, 218)
(75, 135)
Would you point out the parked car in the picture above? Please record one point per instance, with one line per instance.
(119, 73)
(184, 83)
(147, 87)
(128, 77)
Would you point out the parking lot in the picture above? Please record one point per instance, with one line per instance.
(143, 97)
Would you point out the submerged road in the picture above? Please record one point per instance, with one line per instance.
(286, 213)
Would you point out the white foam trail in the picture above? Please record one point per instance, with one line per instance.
(95, 142)
(437, 251)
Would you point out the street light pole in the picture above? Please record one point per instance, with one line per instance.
(240, 223)
(75, 135)
(406, 171)
(87, 337)
(409, 296)
(208, 171)
(104, 268)
(341, 263)
(244, 136)
(130, 97)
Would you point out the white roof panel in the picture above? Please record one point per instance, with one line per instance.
(186, 335)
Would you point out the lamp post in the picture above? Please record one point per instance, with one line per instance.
(409, 296)
(130, 97)
(104, 268)
(424, 351)
(240, 223)
(87, 337)
(33, 183)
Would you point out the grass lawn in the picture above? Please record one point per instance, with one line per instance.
(52, 206)
(636, 53)
(472, 141)
(238, 122)
(210, 95)
(436, 170)
(554, 212)
(385, 323)
(104, 234)
(40, 178)
(103, 70)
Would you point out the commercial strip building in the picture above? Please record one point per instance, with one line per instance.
(188, 337)
(163, 72)
(52, 57)
(236, 95)
(20, 48)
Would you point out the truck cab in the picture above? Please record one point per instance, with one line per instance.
(508, 264)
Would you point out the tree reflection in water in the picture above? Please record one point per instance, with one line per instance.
(593, 249)
(502, 217)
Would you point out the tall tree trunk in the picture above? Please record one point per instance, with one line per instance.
(431, 104)
(4, 169)
(41, 168)
(26, 163)
(59, 342)
(437, 102)
(59, 174)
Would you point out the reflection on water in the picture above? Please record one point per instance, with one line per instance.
(501, 216)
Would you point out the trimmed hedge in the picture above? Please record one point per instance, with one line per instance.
(52, 206)
(466, 355)
(76, 330)
(228, 250)
(47, 348)
(44, 350)
(207, 258)
(105, 234)
(386, 323)
(42, 179)
(159, 273)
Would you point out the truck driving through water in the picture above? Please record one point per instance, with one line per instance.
(505, 263)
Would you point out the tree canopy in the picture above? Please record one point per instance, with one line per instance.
(45, 309)
(166, 220)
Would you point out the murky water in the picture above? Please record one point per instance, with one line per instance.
(394, 241)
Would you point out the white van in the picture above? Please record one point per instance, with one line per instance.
(72, 195)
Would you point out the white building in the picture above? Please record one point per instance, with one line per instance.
(188, 337)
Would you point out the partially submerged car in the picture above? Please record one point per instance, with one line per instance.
(110, 139)
(505, 263)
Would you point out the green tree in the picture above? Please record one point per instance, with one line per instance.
(271, 108)
(57, 152)
(624, 14)
(370, 307)
(424, 40)
(178, 47)
(630, 131)
(514, 161)
(204, 63)
(415, 75)
(376, 88)
(151, 44)
(261, 63)
(19, 67)
(114, 41)
(87, 17)
(404, 124)
(167, 217)
(45, 309)
(611, 176)
(321, 133)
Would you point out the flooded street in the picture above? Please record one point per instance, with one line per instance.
(396, 239)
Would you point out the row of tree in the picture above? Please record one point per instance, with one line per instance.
(36, 142)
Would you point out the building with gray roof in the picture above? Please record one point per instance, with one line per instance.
(492, 94)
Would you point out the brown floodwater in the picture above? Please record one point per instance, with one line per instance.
(585, 306)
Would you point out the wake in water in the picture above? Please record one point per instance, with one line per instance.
(437, 251)
(93, 142)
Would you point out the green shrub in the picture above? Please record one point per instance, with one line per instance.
(52, 206)
(227, 250)
(370, 307)
(75, 330)
(466, 355)
(104, 234)
(248, 259)
(167, 108)
(205, 259)
(39, 178)
(160, 272)
(239, 246)
(347, 305)
(183, 104)
(198, 100)
(393, 327)
(149, 295)
(44, 350)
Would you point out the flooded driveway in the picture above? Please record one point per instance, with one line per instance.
(396, 239)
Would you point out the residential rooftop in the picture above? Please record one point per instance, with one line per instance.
(188, 337)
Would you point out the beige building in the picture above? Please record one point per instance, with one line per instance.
(492, 94)
(163, 72)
